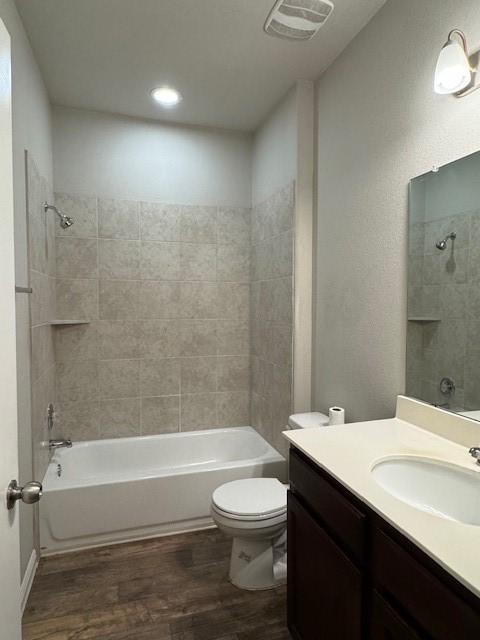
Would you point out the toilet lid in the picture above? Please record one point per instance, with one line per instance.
(251, 497)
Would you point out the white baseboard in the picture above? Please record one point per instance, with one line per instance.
(28, 579)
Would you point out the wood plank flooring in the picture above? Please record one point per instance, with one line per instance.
(172, 588)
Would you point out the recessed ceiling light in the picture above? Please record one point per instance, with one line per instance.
(166, 96)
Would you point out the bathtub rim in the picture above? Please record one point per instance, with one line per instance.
(270, 455)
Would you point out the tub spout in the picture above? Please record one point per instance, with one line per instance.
(58, 444)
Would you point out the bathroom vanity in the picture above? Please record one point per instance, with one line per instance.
(364, 563)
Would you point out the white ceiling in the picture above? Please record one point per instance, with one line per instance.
(107, 55)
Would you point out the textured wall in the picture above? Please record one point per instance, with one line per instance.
(274, 153)
(271, 317)
(379, 125)
(166, 291)
(119, 157)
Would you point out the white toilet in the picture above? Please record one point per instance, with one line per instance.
(254, 513)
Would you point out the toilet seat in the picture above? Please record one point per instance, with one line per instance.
(244, 523)
(251, 500)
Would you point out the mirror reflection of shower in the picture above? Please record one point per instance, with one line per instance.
(65, 221)
(442, 244)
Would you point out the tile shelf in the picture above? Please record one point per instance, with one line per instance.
(423, 319)
(61, 323)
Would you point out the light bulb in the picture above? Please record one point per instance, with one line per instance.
(453, 72)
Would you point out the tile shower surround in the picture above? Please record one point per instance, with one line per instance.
(165, 289)
(271, 314)
(42, 265)
(445, 285)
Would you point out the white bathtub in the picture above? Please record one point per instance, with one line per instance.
(128, 488)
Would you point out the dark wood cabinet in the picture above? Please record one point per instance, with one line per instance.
(342, 519)
(386, 624)
(352, 576)
(324, 586)
(428, 598)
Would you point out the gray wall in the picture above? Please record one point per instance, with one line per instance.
(274, 152)
(119, 157)
(31, 130)
(379, 124)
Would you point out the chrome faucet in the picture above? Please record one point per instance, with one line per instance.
(475, 452)
(58, 444)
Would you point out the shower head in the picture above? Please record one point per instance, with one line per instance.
(442, 244)
(65, 221)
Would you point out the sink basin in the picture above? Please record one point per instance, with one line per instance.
(444, 490)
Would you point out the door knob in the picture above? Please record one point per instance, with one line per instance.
(29, 494)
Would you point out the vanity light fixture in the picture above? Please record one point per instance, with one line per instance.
(167, 97)
(456, 69)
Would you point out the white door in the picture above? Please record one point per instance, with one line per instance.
(10, 618)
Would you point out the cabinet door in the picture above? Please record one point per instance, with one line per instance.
(386, 623)
(324, 587)
(428, 598)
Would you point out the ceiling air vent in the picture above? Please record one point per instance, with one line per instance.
(297, 19)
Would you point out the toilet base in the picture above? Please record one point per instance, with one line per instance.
(251, 564)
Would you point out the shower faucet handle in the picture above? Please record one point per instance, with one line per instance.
(59, 444)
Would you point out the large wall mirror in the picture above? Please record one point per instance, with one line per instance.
(443, 336)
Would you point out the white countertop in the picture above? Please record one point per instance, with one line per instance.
(349, 452)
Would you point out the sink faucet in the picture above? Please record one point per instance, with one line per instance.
(58, 444)
(475, 452)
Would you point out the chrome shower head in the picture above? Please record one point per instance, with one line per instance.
(65, 221)
(442, 244)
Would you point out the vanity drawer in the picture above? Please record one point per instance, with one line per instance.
(339, 516)
(436, 608)
(387, 624)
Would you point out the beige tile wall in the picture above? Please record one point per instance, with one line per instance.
(165, 289)
(42, 263)
(271, 314)
(445, 285)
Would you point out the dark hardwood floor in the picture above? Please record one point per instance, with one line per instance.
(172, 588)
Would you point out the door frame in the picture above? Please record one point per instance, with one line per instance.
(10, 614)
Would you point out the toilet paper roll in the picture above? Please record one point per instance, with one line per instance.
(336, 415)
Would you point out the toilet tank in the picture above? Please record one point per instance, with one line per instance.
(307, 420)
